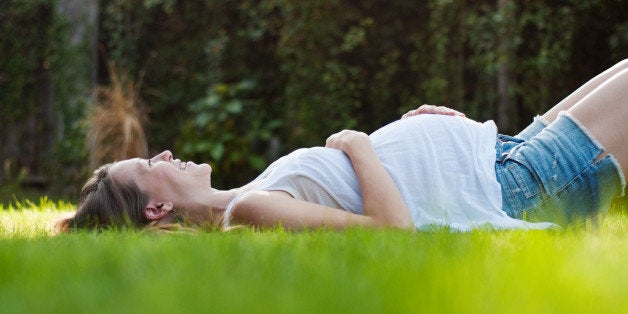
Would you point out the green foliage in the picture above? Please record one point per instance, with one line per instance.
(229, 119)
(71, 74)
(43, 94)
(25, 62)
(23, 52)
(315, 67)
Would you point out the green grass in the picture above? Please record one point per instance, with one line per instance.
(355, 271)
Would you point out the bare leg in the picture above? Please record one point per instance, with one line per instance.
(604, 113)
(584, 90)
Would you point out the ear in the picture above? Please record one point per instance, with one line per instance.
(156, 211)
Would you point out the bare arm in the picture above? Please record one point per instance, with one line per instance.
(268, 209)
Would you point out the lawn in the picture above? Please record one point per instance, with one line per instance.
(355, 271)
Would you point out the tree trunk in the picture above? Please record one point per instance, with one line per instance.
(505, 106)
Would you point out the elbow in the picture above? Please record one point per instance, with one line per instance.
(402, 219)
(404, 225)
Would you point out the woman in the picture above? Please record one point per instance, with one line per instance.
(421, 171)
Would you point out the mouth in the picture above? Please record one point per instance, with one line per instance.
(183, 165)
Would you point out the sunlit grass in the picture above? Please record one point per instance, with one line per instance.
(355, 271)
(31, 219)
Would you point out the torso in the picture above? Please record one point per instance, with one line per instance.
(442, 165)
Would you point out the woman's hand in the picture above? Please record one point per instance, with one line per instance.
(349, 141)
(430, 109)
(381, 199)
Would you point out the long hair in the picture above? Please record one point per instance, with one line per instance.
(104, 204)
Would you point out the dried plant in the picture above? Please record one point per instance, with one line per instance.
(115, 130)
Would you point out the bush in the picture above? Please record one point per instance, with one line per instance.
(44, 90)
(229, 119)
(219, 76)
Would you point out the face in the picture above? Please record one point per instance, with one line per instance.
(164, 178)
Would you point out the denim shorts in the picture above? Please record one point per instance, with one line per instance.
(550, 173)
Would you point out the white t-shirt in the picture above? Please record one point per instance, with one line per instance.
(442, 165)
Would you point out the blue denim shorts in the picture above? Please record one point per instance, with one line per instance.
(550, 173)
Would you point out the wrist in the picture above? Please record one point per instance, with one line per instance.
(362, 155)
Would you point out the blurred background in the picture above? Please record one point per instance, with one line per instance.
(238, 83)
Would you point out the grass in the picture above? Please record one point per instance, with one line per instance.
(355, 271)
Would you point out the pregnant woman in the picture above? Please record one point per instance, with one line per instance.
(422, 171)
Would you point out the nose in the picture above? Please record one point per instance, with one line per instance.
(166, 155)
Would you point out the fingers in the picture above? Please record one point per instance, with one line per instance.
(431, 109)
(331, 140)
(346, 138)
(335, 140)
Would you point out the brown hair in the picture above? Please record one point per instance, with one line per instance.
(104, 204)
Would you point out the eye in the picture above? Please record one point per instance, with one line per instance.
(150, 163)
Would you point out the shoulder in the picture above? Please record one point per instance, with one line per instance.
(250, 199)
(251, 206)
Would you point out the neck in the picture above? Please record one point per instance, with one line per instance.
(210, 207)
(221, 199)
